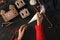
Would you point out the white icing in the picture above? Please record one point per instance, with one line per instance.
(33, 19)
(33, 2)
(42, 9)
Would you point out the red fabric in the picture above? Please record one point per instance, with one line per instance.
(39, 32)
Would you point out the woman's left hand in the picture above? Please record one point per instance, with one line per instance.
(21, 32)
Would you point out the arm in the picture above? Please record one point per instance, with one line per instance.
(39, 28)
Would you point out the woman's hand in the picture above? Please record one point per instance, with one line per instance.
(21, 32)
(39, 18)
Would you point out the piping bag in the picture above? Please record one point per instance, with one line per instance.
(34, 18)
(42, 11)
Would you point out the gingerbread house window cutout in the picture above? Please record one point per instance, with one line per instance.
(24, 13)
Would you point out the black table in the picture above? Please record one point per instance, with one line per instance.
(52, 12)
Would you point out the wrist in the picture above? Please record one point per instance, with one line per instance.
(38, 27)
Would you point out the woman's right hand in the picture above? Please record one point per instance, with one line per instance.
(39, 18)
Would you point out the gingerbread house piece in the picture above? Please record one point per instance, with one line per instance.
(13, 10)
(24, 13)
(19, 3)
(12, 13)
(7, 16)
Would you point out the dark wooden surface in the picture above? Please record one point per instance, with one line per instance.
(52, 12)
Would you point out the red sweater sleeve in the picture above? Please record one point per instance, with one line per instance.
(39, 32)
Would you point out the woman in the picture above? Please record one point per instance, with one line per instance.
(38, 29)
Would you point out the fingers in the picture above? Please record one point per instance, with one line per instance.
(21, 31)
(22, 28)
(39, 18)
(38, 14)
